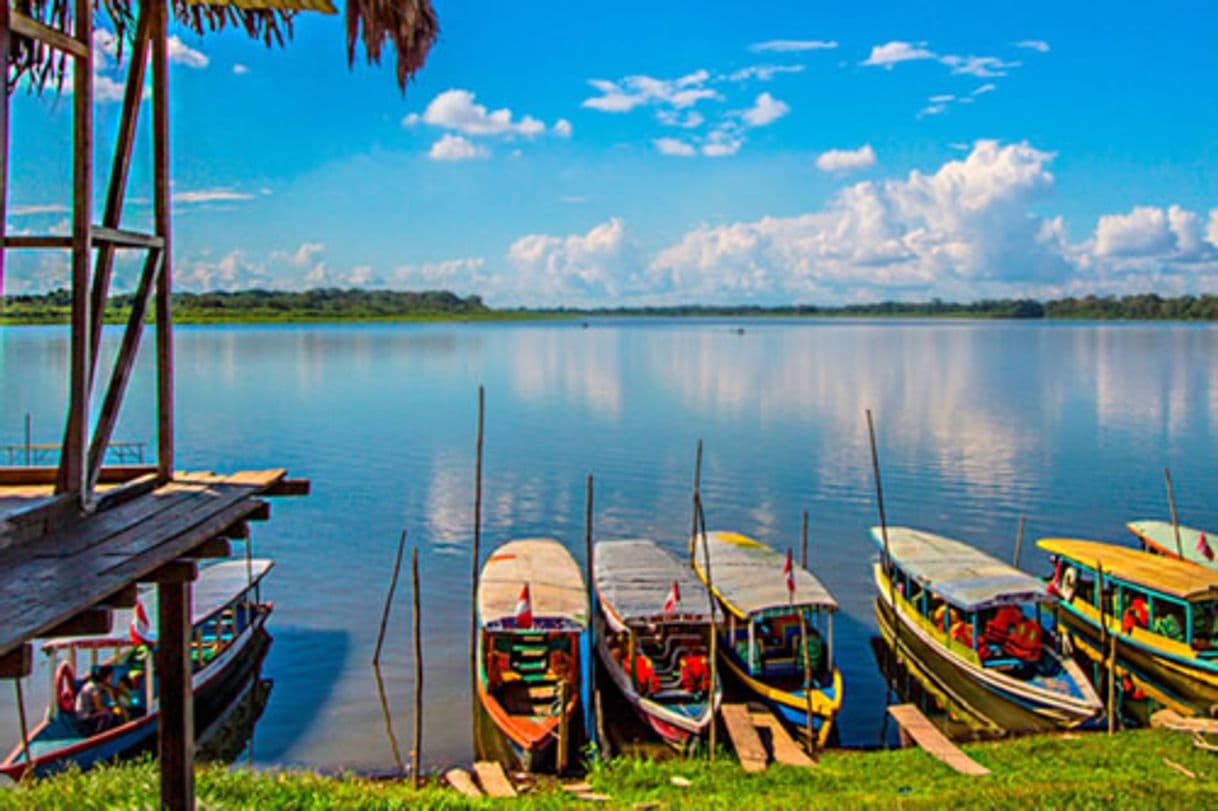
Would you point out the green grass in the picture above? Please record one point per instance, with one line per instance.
(1084, 771)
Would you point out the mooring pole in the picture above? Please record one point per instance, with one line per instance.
(1018, 543)
(700, 515)
(693, 530)
(393, 739)
(417, 752)
(393, 586)
(889, 569)
(473, 604)
(589, 700)
(25, 730)
(1175, 519)
(803, 543)
(560, 755)
(29, 445)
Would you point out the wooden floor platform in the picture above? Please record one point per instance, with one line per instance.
(918, 727)
(49, 577)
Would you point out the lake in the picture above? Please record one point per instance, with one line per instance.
(978, 423)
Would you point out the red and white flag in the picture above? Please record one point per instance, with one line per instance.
(674, 597)
(1203, 546)
(141, 629)
(524, 609)
(788, 572)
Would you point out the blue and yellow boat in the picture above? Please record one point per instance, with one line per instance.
(1162, 613)
(1193, 545)
(777, 642)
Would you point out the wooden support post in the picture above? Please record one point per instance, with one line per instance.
(5, 42)
(393, 585)
(714, 636)
(560, 754)
(1112, 649)
(162, 216)
(889, 570)
(18, 662)
(25, 727)
(89, 621)
(1175, 518)
(175, 733)
(803, 542)
(477, 552)
(416, 753)
(693, 530)
(1018, 543)
(590, 726)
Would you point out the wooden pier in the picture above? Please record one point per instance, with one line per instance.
(917, 727)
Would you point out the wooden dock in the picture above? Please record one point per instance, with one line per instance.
(751, 730)
(916, 726)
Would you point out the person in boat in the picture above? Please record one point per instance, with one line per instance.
(91, 710)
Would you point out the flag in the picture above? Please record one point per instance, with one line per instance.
(141, 629)
(788, 572)
(674, 597)
(524, 609)
(1203, 546)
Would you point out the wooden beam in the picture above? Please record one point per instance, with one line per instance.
(175, 732)
(289, 487)
(124, 597)
(97, 620)
(183, 570)
(238, 531)
(112, 474)
(744, 737)
(17, 663)
(5, 48)
(217, 547)
(28, 27)
(121, 238)
(262, 513)
(162, 218)
(38, 241)
(126, 491)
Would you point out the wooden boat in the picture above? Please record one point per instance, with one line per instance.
(769, 630)
(653, 635)
(1162, 612)
(972, 628)
(230, 641)
(532, 610)
(1196, 545)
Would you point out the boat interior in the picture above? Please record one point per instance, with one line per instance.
(670, 660)
(523, 670)
(779, 641)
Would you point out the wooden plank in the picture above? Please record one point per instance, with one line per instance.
(782, 746)
(217, 547)
(290, 487)
(928, 736)
(38, 241)
(87, 622)
(124, 597)
(493, 779)
(175, 732)
(17, 663)
(123, 238)
(176, 571)
(112, 474)
(29, 27)
(744, 737)
(462, 782)
(1170, 719)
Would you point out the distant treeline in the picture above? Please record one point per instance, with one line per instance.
(331, 304)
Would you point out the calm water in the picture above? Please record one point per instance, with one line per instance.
(978, 423)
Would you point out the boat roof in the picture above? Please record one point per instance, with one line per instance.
(1160, 536)
(556, 584)
(1175, 578)
(215, 588)
(747, 576)
(961, 574)
(634, 578)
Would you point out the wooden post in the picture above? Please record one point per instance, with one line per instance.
(590, 728)
(889, 569)
(473, 604)
(1112, 647)
(693, 530)
(1175, 519)
(25, 729)
(5, 46)
(28, 433)
(393, 585)
(803, 639)
(710, 596)
(803, 543)
(393, 739)
(162, 216)
(175, 743)
(560, 754)
(417, 752)
(1018, 543)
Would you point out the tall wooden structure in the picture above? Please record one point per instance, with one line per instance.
(76, 540)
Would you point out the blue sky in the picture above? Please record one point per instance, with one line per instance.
(554, 153)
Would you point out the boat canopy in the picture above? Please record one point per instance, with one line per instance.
(964, 576)
(748, 576)
(1161, 537)
(556, 586)
(634, 579)
(1172, 577)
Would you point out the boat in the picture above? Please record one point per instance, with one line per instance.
(532, 612)
(1162, 613)
(1195, 545)
(777, 640)
(229, 642)
(972, 629)
(653, 636)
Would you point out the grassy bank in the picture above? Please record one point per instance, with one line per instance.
(1082, 771)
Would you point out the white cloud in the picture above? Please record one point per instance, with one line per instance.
(722, 142)
(762, 73)
(580, 268)
(45, 208)
(674, 146)
(562, 128)
(932, 109)
(455, 148)
(765, 110)
(942, 98)
(210, 196)
(1149, 231)
(890, 53)
(304, 255)
(1211, 231)
(457, 110)
(240, 70)
(792, 45)
(980, 66)
(630, 92)
(182, 54)
(988, 87)
(687, 120)
(1033, 44)
(233, 271)
(846, 160)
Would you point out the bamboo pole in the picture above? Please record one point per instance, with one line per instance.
(1112, 646)
(393, 739)
(1018, 543)
(889, 569)
(803, 542)
(591, 730)
(28, 435)
(393, 585)
(1175, 519)
(710, 596)
(693, 530)
(417, 751)
(803, 639)
(560, 755)
(25, 729)
(1107, 643)
(473, 604)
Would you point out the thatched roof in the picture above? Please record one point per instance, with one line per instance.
(409, 26)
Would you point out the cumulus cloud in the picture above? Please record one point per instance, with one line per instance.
(1033, 44)
(892, 53)
(765, 110)
(762, 73)
(182, 54)
(674, 146)
(980, 66)
(1156, 233)
(562, 128)
(792, 45)
(723, 142)
(455, 148)
(580, 268)
(691, 119)
(846, 160)
(219, 195)
(457, 110)
(626, 94)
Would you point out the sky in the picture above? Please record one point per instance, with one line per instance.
(557, 153)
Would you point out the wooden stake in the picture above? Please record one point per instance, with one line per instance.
(803, 543)
(592, 730)
(714, 637)
(803, 638)
(560, 754)
(889, 569)
(693, 530)
(1018, 543)
(393, 739)
(25, 730)
(417, 751)
(1175, 520)
(176, 744)
(1112, 646)
(393, 585)
(473, 603)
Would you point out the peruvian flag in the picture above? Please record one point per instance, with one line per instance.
(788, 572)
(141, 629)
(524, 609)
(1203, 546)
(674, 597)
